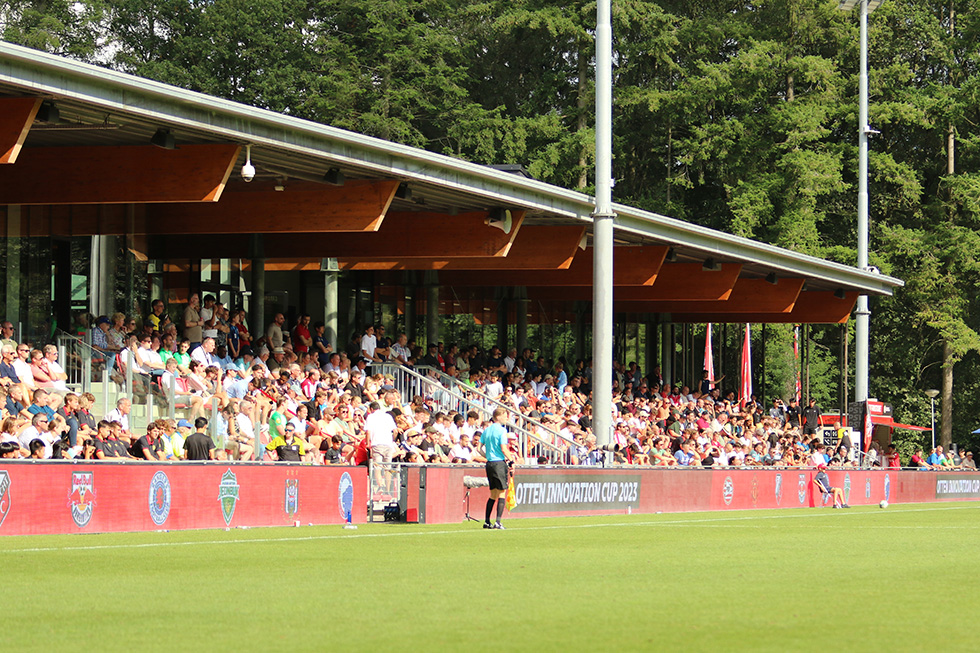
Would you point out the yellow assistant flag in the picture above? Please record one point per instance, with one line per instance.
(511, 494)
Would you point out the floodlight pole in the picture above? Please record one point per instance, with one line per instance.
(932, 397)
(862, 314)
(602, 233)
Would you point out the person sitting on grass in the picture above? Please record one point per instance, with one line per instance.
(822, 481)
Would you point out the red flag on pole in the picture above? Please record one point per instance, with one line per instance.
(796, 365)
(709, 361)
(746, 367)
(867, 427)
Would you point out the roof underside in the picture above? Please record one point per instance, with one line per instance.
(100, 108)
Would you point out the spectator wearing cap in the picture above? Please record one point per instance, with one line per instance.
(178, 436)
(967, 462)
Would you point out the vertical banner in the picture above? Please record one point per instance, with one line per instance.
(867, 426)
(709, 361)
(796, 363)
(746, 367)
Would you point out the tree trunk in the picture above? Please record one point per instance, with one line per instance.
(583, 72)
(946, 408)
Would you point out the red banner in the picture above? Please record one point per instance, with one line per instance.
(37, 498)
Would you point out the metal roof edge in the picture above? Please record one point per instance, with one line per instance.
(53, 74)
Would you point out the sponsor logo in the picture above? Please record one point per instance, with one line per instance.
(847, 488)
(754, 492)
(888, 487)
(572, 491)
(779, 488)
(292, 496)
(4, 495)
(801, 491)
(728, 491)
(954, 486)
(159, 498)
(345, 492)
(81, 500)
(228, 495)
(867, 488)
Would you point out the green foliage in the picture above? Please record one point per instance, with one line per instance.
(732, 115)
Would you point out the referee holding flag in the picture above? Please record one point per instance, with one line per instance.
(498, 455)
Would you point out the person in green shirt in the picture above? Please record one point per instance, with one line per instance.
(166, 350)
(278, 420)
(183, 357)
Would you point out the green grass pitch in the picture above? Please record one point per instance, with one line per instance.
(782, 580)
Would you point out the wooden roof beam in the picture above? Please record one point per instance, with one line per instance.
(812, 307)
(16, 117)
(535, 248)
(117, 174)
(304, 207)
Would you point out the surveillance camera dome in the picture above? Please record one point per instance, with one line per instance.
(248, 172)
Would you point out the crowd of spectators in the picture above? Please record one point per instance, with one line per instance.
(286, 394)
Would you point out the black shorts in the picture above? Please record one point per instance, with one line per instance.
(497, 474)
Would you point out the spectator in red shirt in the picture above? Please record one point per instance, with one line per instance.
(301, 335)
(892, 459)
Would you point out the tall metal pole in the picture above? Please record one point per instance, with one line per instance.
(602, 234)
(862, 313)
(933, 400)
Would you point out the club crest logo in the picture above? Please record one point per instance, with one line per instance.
(888, 488)
(81, 500)
(867, 488)
(801, 490)
(754, 492)
(779, 488)
(847, 488)
(159, 498)
(4, 495)
(345, 495)
(228, 495)
(728, 491)
(292, 496)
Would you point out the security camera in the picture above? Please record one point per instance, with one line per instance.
(248, 170)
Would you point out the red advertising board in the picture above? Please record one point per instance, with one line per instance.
(37, 498)
(554, 492)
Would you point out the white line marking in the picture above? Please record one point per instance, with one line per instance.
(513, 527)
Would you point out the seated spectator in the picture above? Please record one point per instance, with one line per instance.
(287, 447)
(8, 374)
(334, 455)
(822, 483)
(149, 447)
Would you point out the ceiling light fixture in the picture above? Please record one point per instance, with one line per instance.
(248, 170)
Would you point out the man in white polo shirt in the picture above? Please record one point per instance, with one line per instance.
(379, 431)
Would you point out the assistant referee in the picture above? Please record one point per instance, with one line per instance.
(498, 455)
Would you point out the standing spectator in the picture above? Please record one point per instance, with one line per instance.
(321, 346)
(193, 324)
(221, 327)
(234, 339)
(811, 418)
(793, 414)
(209, 317)
(379, 434)
(199, 445)
(383, 348)
(273, 335)
(157, 319)
(8, 335)
(302, 339)
(369, 343)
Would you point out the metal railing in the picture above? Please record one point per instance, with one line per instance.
(81, 362)
(534, 437)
